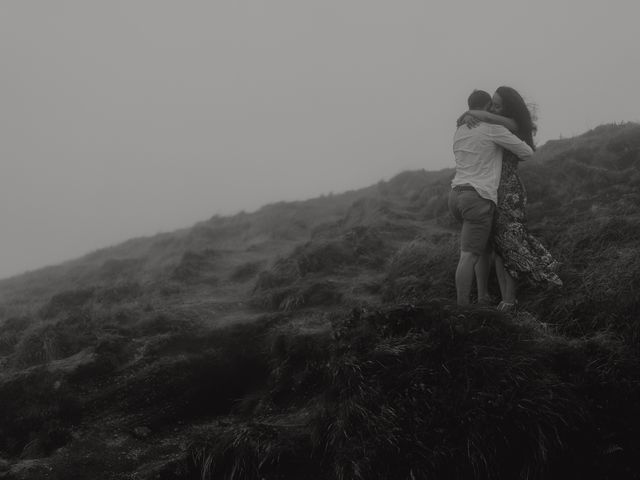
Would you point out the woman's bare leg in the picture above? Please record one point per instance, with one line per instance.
(510, 294)
(508, 285)
(501, 273)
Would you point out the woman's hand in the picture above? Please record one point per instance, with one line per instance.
(467, 119)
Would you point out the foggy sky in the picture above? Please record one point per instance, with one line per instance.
(124, 118)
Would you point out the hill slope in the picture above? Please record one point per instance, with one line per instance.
(317, 337)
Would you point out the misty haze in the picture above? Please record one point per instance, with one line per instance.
(125, 119)
(232, 250)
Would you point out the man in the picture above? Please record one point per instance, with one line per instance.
(474, 194)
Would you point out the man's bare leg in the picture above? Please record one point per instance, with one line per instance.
(510, 293)
(483, 269)
(464, 276)
(508, 285)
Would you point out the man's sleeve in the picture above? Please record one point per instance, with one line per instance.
(503, 137)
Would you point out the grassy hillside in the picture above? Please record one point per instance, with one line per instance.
(318, 339)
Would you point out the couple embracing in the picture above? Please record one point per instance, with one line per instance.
(489, 199)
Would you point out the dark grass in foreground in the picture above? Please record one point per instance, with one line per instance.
(435, 392)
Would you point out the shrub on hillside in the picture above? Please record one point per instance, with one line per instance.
(254, 451)
(325, 292)
(284, 272)
(38, 409)
(625, 139)
(161, 323)
(421, 270)
(118, 293)
(111, 352)
(289, 298)
(67, 301)
(540, 186)
(199, 374)
(591, 238)
(379, 213)
(196, 267)
(279, 298)
(10, 332)
(45, 342)
(368, 245)
(298, 366)
(605, 295)
(246, 271)
(436, 206)
(433, 392)
(601, 274)
(323, 256)
(358, 247)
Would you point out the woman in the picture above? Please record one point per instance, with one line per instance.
(518, 255)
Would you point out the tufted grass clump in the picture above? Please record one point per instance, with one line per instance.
(450, 393)
(47, 341)
(38, 409)
(436, 391)
(601, 275)
(253, 451)
(188, 375)
(421, 270)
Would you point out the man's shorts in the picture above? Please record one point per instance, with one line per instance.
(476, 215)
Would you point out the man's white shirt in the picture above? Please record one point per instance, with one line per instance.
(478, 153)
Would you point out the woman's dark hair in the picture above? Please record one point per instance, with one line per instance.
(514, 107)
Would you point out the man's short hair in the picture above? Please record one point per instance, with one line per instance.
(478, 100)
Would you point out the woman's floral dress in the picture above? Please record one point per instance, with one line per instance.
(525, 258)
